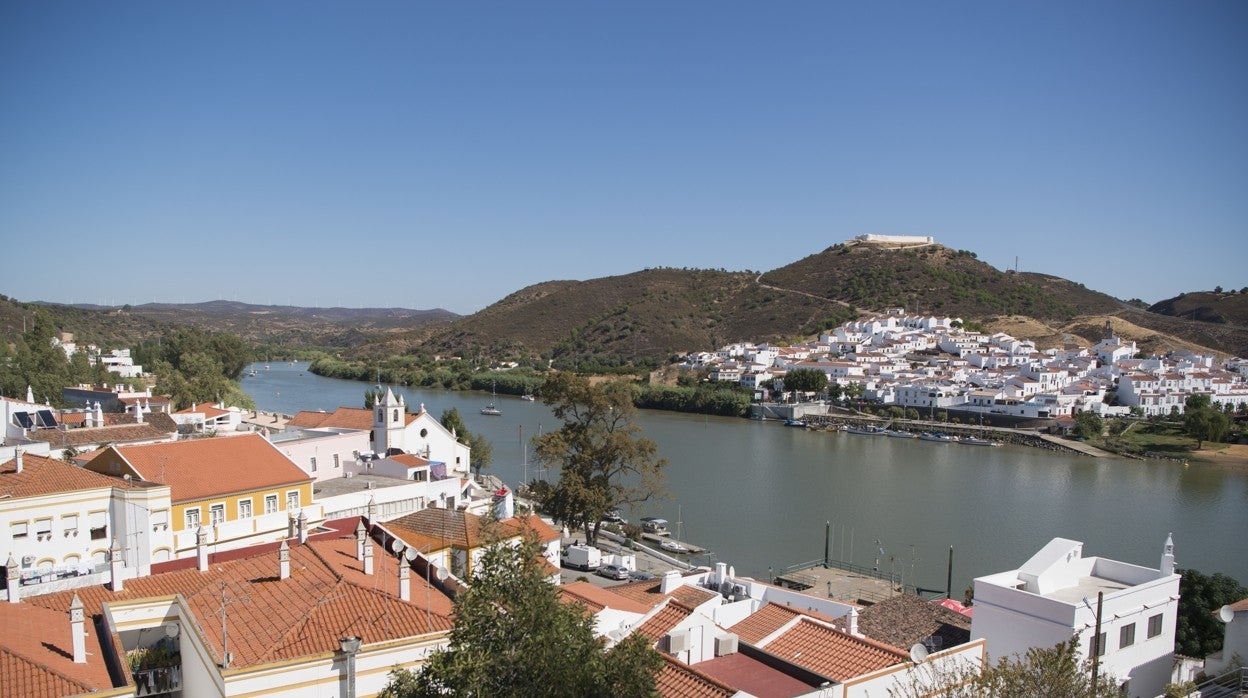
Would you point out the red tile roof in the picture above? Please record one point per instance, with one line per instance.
(326, 597)
(679, 680)
(763, 622)
(435, 528)
(36, 653)
(649, 592)
(753, 676)
(662, 622)
(341, 418)
(596, 598)
(200, 468)
(41, 476)
(832, 653)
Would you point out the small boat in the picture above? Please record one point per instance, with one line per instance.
(492, 409)
(794, 423)
(938, 436)
(899, 434)
(974, 441)
(528, 397)
(869, 430)
(673, 546)
(252, 373)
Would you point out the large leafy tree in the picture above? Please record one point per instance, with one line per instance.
(806, 380)
(603, 460)
(513, 636)
(1200, 632)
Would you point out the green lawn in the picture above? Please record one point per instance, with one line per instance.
(1162, 438)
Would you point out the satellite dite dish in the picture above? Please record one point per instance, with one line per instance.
(440, 573)
(1226, 614)
(918, 652)
(411, 554)
(396, 546)
(172, 629)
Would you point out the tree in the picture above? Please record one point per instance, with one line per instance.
(1202, 421)
(514, 636)
(1199, 632)
(1089, 425)
(604, 462)
(1040, 673)
(806, 380)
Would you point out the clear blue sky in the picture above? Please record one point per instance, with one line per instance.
(446, 154)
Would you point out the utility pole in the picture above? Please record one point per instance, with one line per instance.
(1096, 641)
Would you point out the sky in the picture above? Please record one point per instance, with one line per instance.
(443, 155)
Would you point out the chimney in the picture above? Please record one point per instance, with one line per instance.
(721, 572)
(18, 460)
(372, 509)
(138, 413)
(1167, 556)
(360, 535)
(670, 582)
(405, 584)
(14, 578)
(201, 548)
(303, 526)
(290, 524)
(77, 631)
(283, 561)
(114, 565)
(368, 557)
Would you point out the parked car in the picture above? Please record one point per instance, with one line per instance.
(613, 571)
(641, 576)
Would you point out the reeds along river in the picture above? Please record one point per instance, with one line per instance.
(758, 494)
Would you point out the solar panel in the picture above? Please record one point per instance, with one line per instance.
(46, 419)
(23, 420)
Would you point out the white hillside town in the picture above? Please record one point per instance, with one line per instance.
(930, 362)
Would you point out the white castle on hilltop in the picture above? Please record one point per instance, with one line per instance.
(897, 239)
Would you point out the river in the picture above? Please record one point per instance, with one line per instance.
(758, 494)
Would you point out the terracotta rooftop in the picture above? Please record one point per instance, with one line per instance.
(832, 653)
(326, 597)
(596, 598)
(679, 680)
(36, 654)
(662, 622)
(41, 476)
(410, 460)
(435, 528)
(209, 410)
(905, 619)
(649, 593)
(341, 418)
(200, 468)
(155, 426)
(748, 674)
(763, 622)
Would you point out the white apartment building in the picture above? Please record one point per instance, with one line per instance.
(1053, 597)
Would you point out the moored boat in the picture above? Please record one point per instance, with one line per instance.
(867, 430)
(938, 436)
(899, 434)
(794, 423)
(975, 441)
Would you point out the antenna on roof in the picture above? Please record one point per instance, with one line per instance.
(918, 652)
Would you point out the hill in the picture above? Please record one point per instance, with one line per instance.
(1216, 307)
(282, 325)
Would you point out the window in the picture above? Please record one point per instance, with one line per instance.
(216, 514)
(312, 460)
(292, 500)
(1126, 636)
(69, 523)
(337, 462)
(19, 529)
(244, 508)
(99, 525)
(192, 518)
(420, 475)
(1098, 645)
(396, 415)
(43, 529)
(1154, 625)
(270, 503)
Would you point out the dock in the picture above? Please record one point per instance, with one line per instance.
(658, 540)
(843, 581)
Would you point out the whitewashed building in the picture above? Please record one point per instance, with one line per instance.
(1053, 597)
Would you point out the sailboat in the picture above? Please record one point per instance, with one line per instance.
(492, 409)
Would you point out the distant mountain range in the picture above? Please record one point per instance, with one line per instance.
(655, 313)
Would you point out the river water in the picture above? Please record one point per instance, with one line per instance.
(758, 494)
